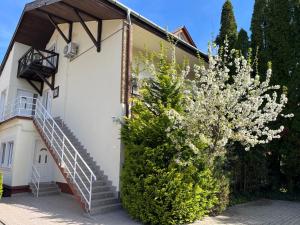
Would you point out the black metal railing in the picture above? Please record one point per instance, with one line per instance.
(38, 58)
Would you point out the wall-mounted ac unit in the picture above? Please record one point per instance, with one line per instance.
(71, 50)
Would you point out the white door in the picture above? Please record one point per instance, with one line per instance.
(2, 104)
(43, 162)
(24, 104)
(47, 100)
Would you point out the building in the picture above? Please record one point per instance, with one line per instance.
(65, 79)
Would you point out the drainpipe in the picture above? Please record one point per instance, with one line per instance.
(128, 62)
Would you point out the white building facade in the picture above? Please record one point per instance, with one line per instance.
(65, 80)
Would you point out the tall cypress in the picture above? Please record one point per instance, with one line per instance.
(259, 42)
(279, 38)
(291, 146)
(276, 33)
(243, 43)
(228, 26)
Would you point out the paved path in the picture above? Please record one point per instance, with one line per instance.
(56, 209)
(63, 210)
(263, 212)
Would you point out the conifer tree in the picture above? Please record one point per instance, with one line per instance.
(228, 26)
(242, 43)
(276, 33)
(259, 42)
(290, 144)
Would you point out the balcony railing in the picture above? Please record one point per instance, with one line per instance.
(42, 61)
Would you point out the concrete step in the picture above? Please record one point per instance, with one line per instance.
(45, 189)
(103, 195)
(105, 209)
(102, 188)
(105, 201)
(46, 193)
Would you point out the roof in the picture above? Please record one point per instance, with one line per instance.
(35, 29)
(186, 35)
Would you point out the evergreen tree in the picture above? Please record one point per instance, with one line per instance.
(164, 182)
(259, 41)
(276, 32)
(228, 26)
(291, 146)
(242, 43)
(279, 38)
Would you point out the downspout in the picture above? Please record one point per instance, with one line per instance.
(128, 62)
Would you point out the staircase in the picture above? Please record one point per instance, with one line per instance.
(45, 189)
(104, 195)
(87, 181)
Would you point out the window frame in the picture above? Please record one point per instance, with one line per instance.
(6, 154)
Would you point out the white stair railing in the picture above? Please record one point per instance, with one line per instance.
(69, 158)
(35, 179)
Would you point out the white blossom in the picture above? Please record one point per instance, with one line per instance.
(236, 106)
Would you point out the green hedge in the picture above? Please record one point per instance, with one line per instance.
(162, 196)
(164, 181)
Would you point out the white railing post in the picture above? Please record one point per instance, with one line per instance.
(75, 165)
(36, 180)
(19, 105)
(52, 131)
(44, 119)
(63, 150)
(91, 191)
(38, 189)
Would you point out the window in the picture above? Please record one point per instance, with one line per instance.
(6, 154)
(10, 153)
(3, 149)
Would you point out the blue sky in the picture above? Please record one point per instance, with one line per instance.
(202, 17)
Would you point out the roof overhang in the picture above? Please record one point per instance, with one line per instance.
(35, 29)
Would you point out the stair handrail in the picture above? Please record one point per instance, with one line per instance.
(66, 138)
(33, 108)
(77, 154)
(35, 179)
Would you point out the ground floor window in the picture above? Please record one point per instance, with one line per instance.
(6, 154)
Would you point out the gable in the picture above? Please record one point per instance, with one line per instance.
(183, 34)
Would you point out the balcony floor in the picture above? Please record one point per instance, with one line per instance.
(29, 72)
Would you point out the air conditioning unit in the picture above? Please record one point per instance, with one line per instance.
(71, 50)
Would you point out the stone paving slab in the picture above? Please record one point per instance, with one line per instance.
(262, 212)
(57, 209)
(63, 210)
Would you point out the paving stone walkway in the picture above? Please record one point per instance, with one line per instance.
(262, 212)
(63, 210)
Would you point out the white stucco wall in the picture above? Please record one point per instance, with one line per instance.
(23, 134)
(8, 78)
(89, 92)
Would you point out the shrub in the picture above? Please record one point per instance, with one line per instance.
(166, 177)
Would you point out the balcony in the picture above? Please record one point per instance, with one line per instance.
(37, 66)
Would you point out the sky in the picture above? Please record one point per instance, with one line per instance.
(201, 17)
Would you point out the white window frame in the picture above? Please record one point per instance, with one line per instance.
(6, 154)
(10, 145)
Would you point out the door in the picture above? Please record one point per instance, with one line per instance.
(24, 104)
(2, 104)
(43, 162)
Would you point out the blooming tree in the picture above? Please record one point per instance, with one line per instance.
(228, 104)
